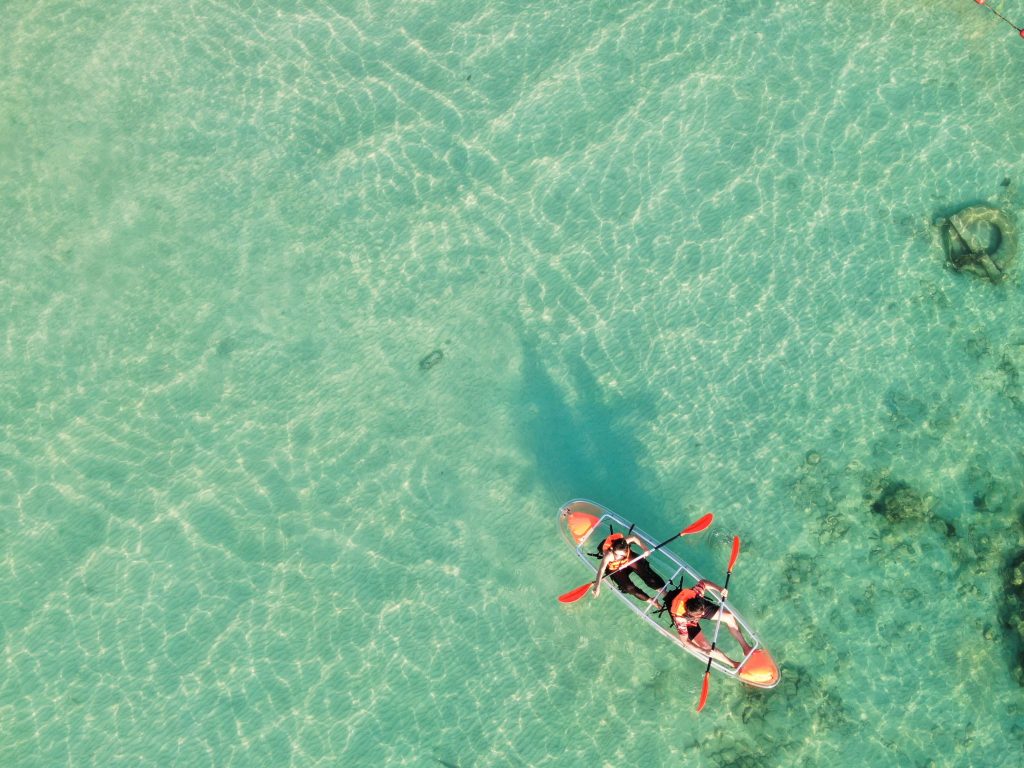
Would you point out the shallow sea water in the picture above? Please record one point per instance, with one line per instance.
(314, 314)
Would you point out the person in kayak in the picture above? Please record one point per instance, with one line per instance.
(688, 607)
(615, 552)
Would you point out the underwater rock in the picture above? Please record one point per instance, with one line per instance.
(817, 487)
(981, 240)
(1013, 610)
(974, 549)
(864, 604)
(434, 358)
(801, 701)
(801, 572)
(978, 347)
(225, 347)
(741, 755)
(1015, 577)
(988, 494)
(827, 496)
(898, 502)
(833, 527)
(1011, 371)
(905, 409)
(1011, 364)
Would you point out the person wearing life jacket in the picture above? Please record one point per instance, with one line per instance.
(616, 552)
(688, 607)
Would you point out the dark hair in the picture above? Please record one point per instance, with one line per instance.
(694, 604)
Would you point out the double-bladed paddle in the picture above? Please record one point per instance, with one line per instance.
(575, 594)
(718, 624)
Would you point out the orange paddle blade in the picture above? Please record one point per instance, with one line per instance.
(575, 594)
(703, 693)
(698, 526)
(735, 551)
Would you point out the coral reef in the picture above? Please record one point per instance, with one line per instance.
(897, 502)
(1013, 610)
(1010, 365)
(987, 493)
(820, 490)
(801, 573)
(801, 702)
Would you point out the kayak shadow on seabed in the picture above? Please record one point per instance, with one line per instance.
(586, 448)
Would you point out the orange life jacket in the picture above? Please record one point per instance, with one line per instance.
(677, 609)
(606, 546)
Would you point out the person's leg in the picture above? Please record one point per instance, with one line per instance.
(734, 629)
(702, 643)
(649, 575)
(625, 585)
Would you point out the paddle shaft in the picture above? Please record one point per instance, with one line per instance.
(575, 594)
(650, 552)
(580, 591)
(718, 623)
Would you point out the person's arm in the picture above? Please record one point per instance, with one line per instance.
(637, 540)
(600, 573)
(703, 584)
(700, 642)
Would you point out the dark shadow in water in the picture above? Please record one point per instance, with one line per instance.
(586, 448)
(1012, 605)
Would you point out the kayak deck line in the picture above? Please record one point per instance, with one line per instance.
(582, 523)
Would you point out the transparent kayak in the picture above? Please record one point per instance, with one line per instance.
(585, 524)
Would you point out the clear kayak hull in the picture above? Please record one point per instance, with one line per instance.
(585, 524)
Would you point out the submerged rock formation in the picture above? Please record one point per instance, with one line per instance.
(981, 240)
(431, 360)
(898, 502)
(1013, 613)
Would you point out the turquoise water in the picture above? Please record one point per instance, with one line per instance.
(677, 257)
